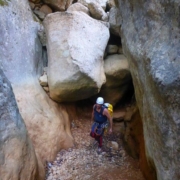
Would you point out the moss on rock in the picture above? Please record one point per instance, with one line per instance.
(4, 2)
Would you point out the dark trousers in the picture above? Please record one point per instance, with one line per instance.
(97, 138)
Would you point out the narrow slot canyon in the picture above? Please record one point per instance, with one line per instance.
(122, 156)
(57, 58)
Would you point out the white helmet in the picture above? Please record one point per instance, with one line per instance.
(100, 100)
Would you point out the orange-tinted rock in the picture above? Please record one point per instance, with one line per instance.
(45, 9)
(134, 143)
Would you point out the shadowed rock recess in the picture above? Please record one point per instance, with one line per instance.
(150, 34)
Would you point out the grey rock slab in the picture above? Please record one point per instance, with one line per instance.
(150, 39)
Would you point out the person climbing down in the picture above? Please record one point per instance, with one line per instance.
(100, 115)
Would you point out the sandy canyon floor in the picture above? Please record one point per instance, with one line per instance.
(83, 162)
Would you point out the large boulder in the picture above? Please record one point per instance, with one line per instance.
(22, 62)
(115, 21)
(118, 78)
(45, 9)
(17, 155)
(97, 12)
(150, 38)
(60, 5)
(78, 7)
(75, 67)
(102, 3)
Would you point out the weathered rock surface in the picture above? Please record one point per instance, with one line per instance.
(17, 155)
(115, 21)
(118, 78)
(133, 139)
(22, 62)
(110, 4)
(40, 14)
(43, 80)
(102, 3)
(32, 5)
(97, 12)
(112, 49)
(150, 38)
(60, 5)
(45, 9)
(78, 7)
(36, 1)
(75, 67)
(42, 36)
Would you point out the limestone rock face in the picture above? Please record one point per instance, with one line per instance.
(60, 5)
(17, 155)
(115, 21)
(22, 62)
(75, 67)
(118, 78)
(78, 7)
(150, 38)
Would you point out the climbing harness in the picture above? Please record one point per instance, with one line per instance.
(98, 128)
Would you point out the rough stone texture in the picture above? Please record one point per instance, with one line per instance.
(118, 78)
(120, 50)
(32, 5)
(115, 21)
(102, 3)
(42, 36)
(45, 9)
(97, 12)
(40, 14)
(110, 4)
(60, 5)
(112, 49)
(114, 145)
(133, 139)
(78, 7)
(22, 62)
(17, 155)
(43, 80)
(84, 163)
(46, 89)
(75, 67)
(36, 1)
(150, 38)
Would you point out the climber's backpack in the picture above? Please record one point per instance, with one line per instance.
(109, 107)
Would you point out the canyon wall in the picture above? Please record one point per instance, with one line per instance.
(21, 58)
(150, 33)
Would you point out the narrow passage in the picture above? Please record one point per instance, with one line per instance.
(82, 162)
